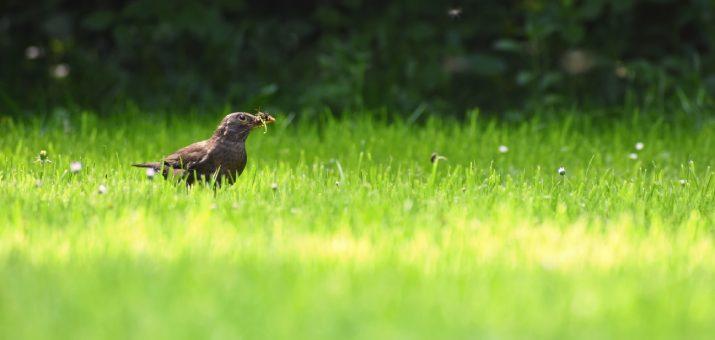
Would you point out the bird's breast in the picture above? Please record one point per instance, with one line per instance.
(230, 157)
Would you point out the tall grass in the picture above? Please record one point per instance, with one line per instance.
(345, 229)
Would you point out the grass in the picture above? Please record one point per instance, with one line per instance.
(363, 237)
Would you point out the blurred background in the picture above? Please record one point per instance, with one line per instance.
(406, 57)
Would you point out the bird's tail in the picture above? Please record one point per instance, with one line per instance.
(154, 165)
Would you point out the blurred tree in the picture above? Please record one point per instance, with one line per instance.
(352, 54)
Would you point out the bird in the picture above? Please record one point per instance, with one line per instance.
(221, 158)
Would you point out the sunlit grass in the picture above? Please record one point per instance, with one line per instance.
(344, 228)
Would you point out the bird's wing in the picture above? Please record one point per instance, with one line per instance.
(188, 157)
(193, 160)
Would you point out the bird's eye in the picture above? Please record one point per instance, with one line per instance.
(241, 117)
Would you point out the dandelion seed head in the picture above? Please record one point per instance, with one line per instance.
(639, 146)
(633, 155)
(274, 186)
(454, 12)
(503, 149)
(75, 167)
(337, 183)
(60, 71)
(683, 181)
(33, 52)
(102, 189)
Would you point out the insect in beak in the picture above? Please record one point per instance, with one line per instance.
(264, 119)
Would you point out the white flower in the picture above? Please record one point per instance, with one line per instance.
(639, 146)
(102, 189)
(60, 71)
(633, 155)
(75, 167)
(561, 171)
(454, 12)
(337, 183)
(683, 182)
(274, 186)
(150, 172)
(33, 52)
(503, 149)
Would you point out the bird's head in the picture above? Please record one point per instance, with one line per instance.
(236, 126)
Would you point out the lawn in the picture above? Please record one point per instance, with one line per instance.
(343, 228)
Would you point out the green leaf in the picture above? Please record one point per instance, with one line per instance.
(98, 21)
(524, 77)
(486, 65)
(508, 45)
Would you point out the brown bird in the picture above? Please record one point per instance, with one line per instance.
(221, 157)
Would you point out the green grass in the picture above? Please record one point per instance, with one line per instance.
(482, 245)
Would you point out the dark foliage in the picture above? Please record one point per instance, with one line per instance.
(403, 55)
